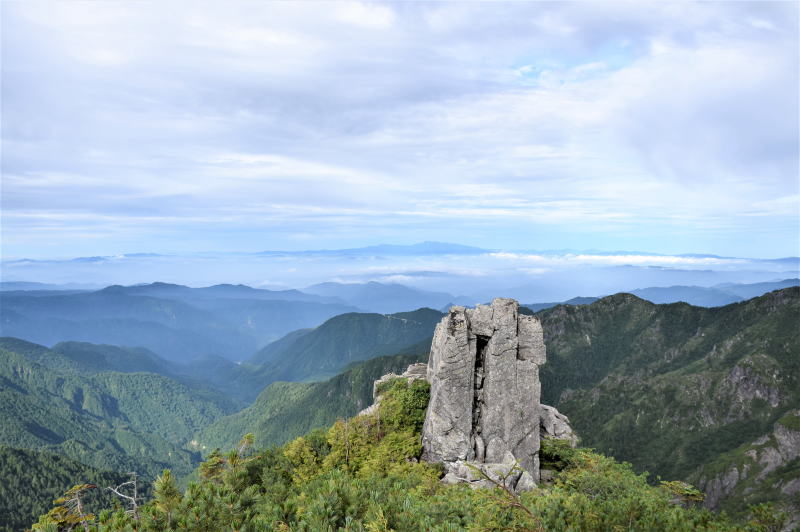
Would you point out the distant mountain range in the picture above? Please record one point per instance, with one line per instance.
(235, 321)
(716, 296)
(538, 276)
(417, 249)
(6, 286)
(177, 322)
(386, 298)
(422, 248)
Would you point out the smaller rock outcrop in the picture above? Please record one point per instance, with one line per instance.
(554, 424)
(414, 372)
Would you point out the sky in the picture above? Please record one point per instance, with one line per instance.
(176, 127)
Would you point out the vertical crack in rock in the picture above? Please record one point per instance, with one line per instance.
(481, 344)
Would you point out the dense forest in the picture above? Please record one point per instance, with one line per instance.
(33, 479)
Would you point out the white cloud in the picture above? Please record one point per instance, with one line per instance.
(376, 119)
(584, 259)
(368, 15)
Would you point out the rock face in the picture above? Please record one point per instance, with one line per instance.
(485, 389)
(757, 463)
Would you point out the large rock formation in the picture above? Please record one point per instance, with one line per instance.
(484, 407)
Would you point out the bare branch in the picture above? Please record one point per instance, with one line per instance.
(133, 500)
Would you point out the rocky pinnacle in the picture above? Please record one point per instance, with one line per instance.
(484, 375)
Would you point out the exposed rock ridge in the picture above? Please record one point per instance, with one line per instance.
(763, 457)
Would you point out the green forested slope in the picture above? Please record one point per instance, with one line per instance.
(342, 340)
(89, 358)
(670, 388)
(285, 410)
(117, 421)
(93, 358)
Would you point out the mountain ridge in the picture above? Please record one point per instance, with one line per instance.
(627, 372)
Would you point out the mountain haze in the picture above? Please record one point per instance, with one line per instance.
(174, 321)
(386, 298)
(342, 340)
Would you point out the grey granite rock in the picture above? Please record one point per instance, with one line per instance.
(485, 389)
(554, 424)
(414, 372)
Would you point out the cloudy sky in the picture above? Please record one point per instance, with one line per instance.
(172, 127)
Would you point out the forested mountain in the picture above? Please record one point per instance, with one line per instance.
(31, 480)
(176, 322)
(92, 358)
(342, 340)
(285, 410)
(115, 421)
(673, 388)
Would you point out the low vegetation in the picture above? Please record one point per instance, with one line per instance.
(363, 474)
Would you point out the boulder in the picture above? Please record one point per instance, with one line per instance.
(554, 424)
